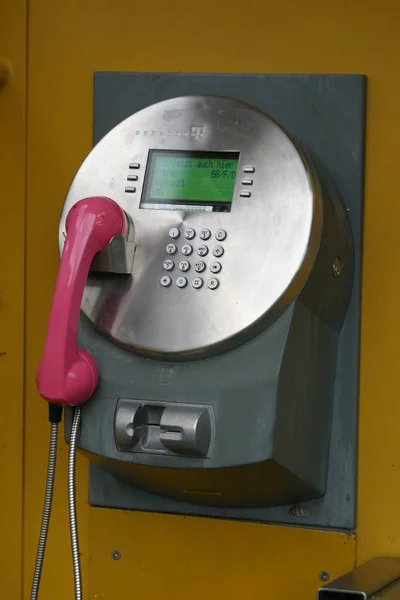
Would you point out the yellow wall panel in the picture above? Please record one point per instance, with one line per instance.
(12, 242)
(68, 41)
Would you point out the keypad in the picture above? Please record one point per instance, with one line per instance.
(184, 265)
(181, 282)
(197, 283)
(171, 249)
(174, 233)
(213, 283)
(189, 234)
(218, 251)
(187, 250)
(205, 234)
(168, 265)
(165, 281)
(199, 266)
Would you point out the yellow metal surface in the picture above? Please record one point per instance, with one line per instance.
(12, 238)
(178, 557)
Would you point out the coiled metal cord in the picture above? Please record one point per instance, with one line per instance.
(72, 503)
(48, 500)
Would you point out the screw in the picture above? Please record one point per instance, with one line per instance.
(337, 267)
(116, 554)
(324, 576)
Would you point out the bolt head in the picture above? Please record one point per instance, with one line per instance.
(116, 554)
(324, 576)
(337, 267)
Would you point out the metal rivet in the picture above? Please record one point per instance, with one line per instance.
(337, 267)
(324, 576)
(116, 554)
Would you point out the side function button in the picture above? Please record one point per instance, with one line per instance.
(134, 165)
(220, 235)
(132, 178)
(218, 251)
(202, 250)
(197, 283)
(247, 182)
(171, 249)
(165, 281)
(213, 283)
(184, 265)
(173, 233)
(248, 169)
(189, 234)
(168, 264)
(187, 249)
(181, 282)
(130, 190)
(245, 194)
(215, 267)
(205, 234)
(200, 266)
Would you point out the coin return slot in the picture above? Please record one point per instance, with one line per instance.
(163, 428)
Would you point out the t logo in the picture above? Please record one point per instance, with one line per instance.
(196, 132)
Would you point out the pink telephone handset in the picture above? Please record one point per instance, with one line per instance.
(68, 375)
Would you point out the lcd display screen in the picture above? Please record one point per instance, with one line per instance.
(185, 180)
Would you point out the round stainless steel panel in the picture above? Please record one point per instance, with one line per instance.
(271, 246)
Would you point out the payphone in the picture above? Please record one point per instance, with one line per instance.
(212, 259)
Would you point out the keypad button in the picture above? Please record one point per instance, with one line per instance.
(205, 234)
(247, 182)
(218, 251)
(130, 190)
(220, 235)
(171, 249)
(173, 233)
(200, 266)
(197, 283)
(213, 283)
(132, 178)
(134, 165)
(245, 194)
(187, 249)
(165, 281)
(202, 250)
(168, 264)
(184, 265)
(189, 234)
(215, 267)
(248, 169)
(181, 282)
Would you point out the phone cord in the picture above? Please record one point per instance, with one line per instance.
(72, 503)
(48, 500)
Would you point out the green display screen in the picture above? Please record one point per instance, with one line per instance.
(182, 180)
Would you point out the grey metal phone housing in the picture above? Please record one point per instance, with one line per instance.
(284, 428)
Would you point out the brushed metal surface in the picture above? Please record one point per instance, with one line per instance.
(272, 237)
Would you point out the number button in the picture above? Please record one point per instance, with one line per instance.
(202, 250)
(165, 281)
(187, 249)
(215, 267)
(205, 234)
(200, 266)
(189, 234)
(173, 233)
(197, 283)
(184, 265)
(218, 251)
(181, 282)
(213, 283)
(168, 264)
(220, 235)
(171, 249)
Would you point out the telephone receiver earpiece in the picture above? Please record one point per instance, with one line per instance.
(68, 375)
